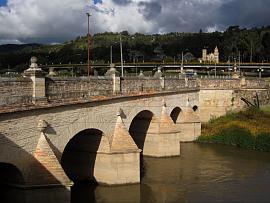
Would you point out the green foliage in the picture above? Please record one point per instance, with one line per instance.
(263, 142)
(246, 129)
(230, 42)
(232, 136)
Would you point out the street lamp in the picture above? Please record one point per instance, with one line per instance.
(88, 44)
(260, 70)
(121, 51)
(215, 70)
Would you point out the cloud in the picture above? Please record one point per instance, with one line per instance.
(149, 10)
(122, 2)
(61, 20)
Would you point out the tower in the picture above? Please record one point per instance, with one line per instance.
(204, 55)
(216, 54)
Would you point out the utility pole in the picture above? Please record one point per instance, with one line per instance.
(251, 51)
(121, 51)
(88, 44)
(215, 70)
(111, 55)
(182, 63)
(239, 61)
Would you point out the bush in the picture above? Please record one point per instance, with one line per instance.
(231, 136)
(263, 142)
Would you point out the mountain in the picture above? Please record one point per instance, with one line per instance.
(252, 45)
(17, 47)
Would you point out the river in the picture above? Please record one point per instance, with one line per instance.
(203, 173)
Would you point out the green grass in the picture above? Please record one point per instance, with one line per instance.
(248, 129)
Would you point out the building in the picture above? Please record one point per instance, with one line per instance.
(212, 57)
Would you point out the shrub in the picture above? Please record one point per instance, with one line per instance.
(263, 142)
(231, 136)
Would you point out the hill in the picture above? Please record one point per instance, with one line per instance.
(252, 44)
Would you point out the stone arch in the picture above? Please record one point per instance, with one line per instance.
(175, 113)
(80, 154)
(139, 127)
(10, 174)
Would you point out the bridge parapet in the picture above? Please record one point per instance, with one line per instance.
(15, 91)
(18, 92)
(59, 89)
(241, 83)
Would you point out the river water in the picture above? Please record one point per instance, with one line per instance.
(203, 173)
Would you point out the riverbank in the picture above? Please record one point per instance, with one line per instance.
(249, 129)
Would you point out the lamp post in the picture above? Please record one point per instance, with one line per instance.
(88, 44)
(260, 70)
(215, 70)
(111, 55)
(121, 51)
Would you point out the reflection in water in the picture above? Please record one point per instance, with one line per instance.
(39, 195)
(203, 173)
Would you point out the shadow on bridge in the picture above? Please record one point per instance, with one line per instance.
(175, 113)
(21, 172)
(79, 157)
(138, 131)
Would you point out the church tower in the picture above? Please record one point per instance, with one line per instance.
(216, 54)
(204, 55)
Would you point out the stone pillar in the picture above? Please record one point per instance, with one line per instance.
(162, 138)
(114, 74)
(189, 124)
(38, 78)
(116, 84)
(120, 165)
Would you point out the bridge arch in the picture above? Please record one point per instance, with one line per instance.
(80, 154)
(10, 174)
(139, 127)
(175, 113)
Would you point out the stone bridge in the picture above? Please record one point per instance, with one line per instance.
(55, 131)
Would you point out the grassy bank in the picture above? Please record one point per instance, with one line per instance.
(248, 129)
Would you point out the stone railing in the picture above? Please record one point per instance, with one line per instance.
(58, 89)
(24, 91)
(15, 91)
(241, 83)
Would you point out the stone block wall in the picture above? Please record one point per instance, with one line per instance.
(15, 91)
(215, 103)
(257, 84)
(233, 84)
(172, 84)
(137, 85)
(77, 88)
(219, 84)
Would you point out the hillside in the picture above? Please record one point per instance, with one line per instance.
(139, 47)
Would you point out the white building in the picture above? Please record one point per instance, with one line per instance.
(212, 57)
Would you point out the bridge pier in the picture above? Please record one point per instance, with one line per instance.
(121, 165)
(111, 159)
(156, 136)
(189, 124)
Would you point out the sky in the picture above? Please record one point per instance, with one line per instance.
(3, 2)
(56, 21)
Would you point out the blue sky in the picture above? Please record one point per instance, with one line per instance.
(95, 1)
(3, 2)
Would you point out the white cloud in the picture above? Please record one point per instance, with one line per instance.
(60, 20)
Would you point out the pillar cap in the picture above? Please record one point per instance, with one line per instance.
(34, 69)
